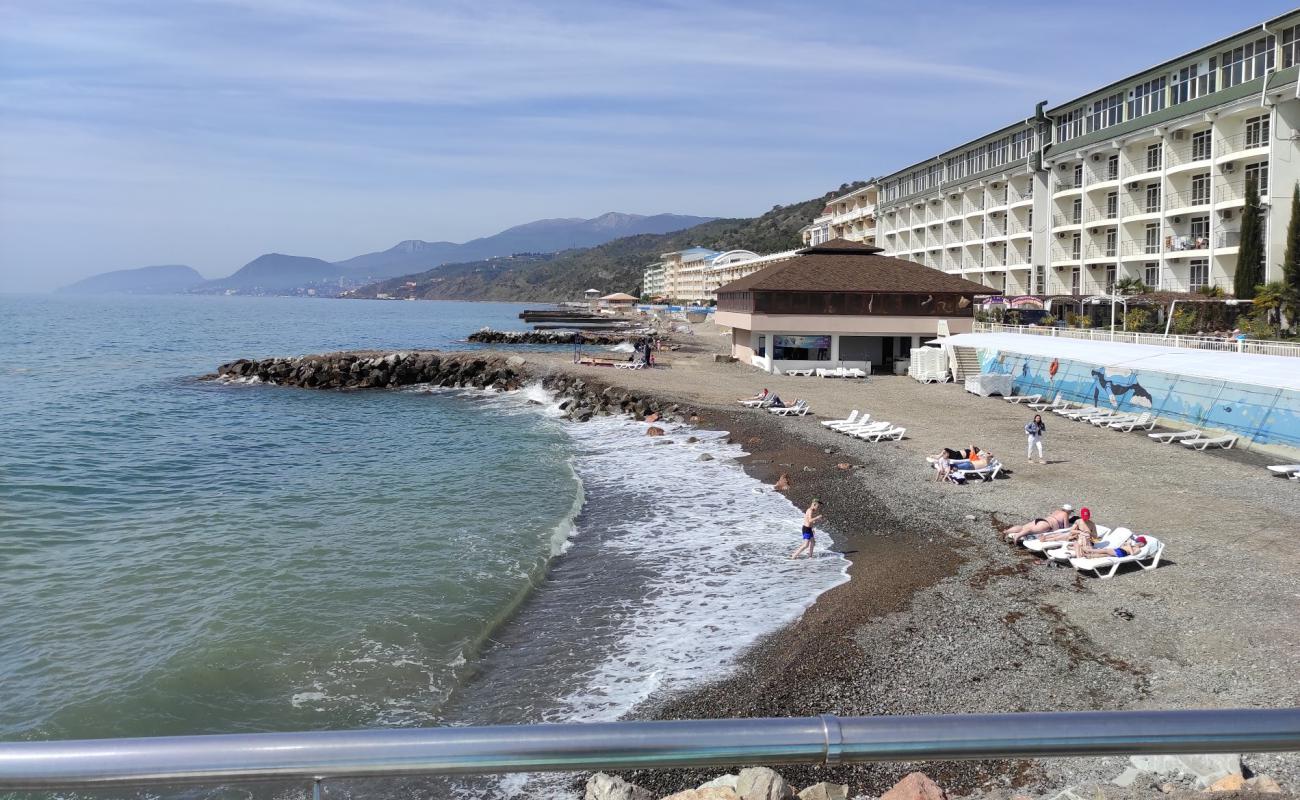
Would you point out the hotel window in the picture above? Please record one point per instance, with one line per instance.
(1112, 168)
(1075, 275)
(1069, 125)
(1257, 131)
(1075, 242)
(1154, 152)
(1152, 242)
(1201, 189)
(1151, 274)
(1040, 281)
(1199, 227)
(1247, 62)
(1021, 144)
(1146, 98)
(954, 164)
(1076, 211)
(1198, 274)
(1258, 173)
(1112, 242)
(998, 152)
(1153, 198)
(1106, 112)
(1078, 176)
(761, 349)
(1193, 81)
(1110, 278)
(1201, 145)
(1112, 205)
(1290, 42)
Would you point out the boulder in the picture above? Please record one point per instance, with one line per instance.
(825, 791)
(515, 362)
(1206, 769)
(728, 781)
(915, 786)
(706, 793)
(654, 430)
(1264, 785)
(651, 417)
(761, 783)
(1228, 783)
(691, 440)
(704, 457)
(611, 787)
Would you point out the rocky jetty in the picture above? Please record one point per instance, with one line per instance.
(549, 337)
(580, 400)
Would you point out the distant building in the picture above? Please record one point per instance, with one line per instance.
(652, 281)
(850, 216)
(841, 304)
(618, 301)
(684, 275)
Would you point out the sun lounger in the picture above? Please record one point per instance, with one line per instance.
(854, 372)
(1226, 442)
(849, 420)
(1145, 420)
(801, 373)
(1106, 537)
(1150, 553)
(987, 472)
(1103, 417)
(1035, 543)
(630, 365)
(799, 409)
(1165, 437)
(1071, 411)
(864, 427)
(1057, 402)
(1024, 398)
(895, 434)
(1285, 469)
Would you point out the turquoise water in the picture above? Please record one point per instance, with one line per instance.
(181, 556)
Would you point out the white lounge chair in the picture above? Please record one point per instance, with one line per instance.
(1077, 413)
(1115, 417)
(987, 472)
(854, 372)
(849, 420)
(865, 427)
(1146, 420)
(799, 409)
(801, 373)
(1035, 543)
(758, 402)
(1150, 553)
(1057, 402)
(1024, 398)
(1165, 437)
(1285, 469)
(895, 434)
(1102, 417)
(1106, 537)
(1226, 442)
(630, 365)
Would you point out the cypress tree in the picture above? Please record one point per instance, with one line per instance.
(1250, 255)
(1291, 260)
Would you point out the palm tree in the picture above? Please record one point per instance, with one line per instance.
(1131, 286)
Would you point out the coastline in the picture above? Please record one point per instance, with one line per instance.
(939, 615)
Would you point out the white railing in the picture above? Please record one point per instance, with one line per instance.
(1218, 344)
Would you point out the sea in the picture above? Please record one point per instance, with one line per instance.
(184, 556)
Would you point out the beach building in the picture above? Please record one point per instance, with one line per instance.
(1142, 178)
(850, 216)
(619, 301)
(841, 304)
(652, 281)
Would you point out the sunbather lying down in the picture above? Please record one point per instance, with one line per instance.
(760, 396)
(1062, 517)
(1128, 547)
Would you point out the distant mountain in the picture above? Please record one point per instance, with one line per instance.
(542, 236)
(276, 272)
(163, 279)
(614, 266)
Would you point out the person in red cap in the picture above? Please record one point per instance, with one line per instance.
(1084, 531)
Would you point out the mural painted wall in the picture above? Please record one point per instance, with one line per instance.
(1257, 413)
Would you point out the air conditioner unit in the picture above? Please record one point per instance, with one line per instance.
(1177, 220)
(1096, 157)
(1230, 167)
(1227, 213)
(1180, 135)
(1060, 234)
(1063, 167)
(1093, 230)
(1135, 185)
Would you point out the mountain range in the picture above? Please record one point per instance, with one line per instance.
(278, 273)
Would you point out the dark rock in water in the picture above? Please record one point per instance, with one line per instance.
(549, 337)
(704, 457)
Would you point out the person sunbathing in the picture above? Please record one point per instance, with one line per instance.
(760, 396)
(1055, 523)
(1083, 533)
(776, 402)
(1129, 547)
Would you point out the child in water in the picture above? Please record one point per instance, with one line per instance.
(810, 518)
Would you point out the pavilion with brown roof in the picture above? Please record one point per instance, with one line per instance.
(841, 304)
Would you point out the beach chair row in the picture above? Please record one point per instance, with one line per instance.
(1053, 547)
(860, 426)
(1125, 421)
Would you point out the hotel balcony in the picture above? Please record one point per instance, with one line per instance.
(1101, 252)
(1066, 219)
(1226, 242)
(1187, 200)
(1186, 157)
(1143, 249)
(1066, 253)
(1247, 144)
(1231, 194)
(1142, 166)
(1020, 196)
(1066, 182)
(973, 205)
(1139, 208)
(995, 227)
(1102, 216)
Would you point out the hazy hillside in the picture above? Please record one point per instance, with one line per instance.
(614, 267)
(276, 272)
(162, 279)
(541, 236)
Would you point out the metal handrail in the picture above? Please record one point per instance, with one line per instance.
(318, 756)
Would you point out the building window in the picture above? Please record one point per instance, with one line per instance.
(1198, 274)
(1076, 211)
(1112, 205)
(1105, 112)
(1146, 98)
(1259, 174)
(1257, 131)
(801, 348)
(1075, 242)
(761, 349)
(1153, 157)
(1200, 230)
(1201, 145)
(1153, 198)
(1078, 176)
(1040, 281)
(1022, 143)
(1112, 242)
(1152, 242)
(1112, 168)
(1201, 189)
(1290, 41)
(1110, 279)
(1151, 274)
(1075, 276)
(1069, 125)
(1247, 62)
(1193, 81)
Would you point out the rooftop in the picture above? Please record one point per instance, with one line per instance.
(843, 266)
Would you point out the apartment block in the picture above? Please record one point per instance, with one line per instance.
(1143, 178)
(850, 216)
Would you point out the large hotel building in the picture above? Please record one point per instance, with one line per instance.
(1143, 178)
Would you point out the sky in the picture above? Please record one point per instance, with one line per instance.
(208, 132)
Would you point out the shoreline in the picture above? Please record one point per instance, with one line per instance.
(939, 616)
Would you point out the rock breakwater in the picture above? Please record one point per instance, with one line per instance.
(580, 399)
(550, 337)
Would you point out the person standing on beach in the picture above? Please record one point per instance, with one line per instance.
(1035, 431)
(810, 518)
